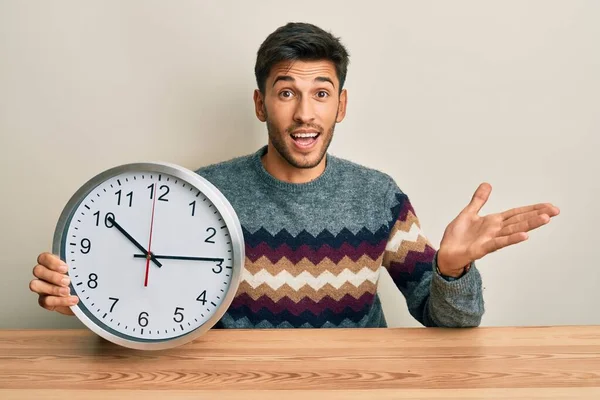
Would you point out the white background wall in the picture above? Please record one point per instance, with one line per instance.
(442, 96)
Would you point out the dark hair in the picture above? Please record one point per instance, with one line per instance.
(299, 41)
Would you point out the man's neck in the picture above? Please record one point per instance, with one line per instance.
(280, 169)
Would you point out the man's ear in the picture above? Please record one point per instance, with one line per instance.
(259, 106)
(342, 106)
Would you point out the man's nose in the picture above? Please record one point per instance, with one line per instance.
(304, 112)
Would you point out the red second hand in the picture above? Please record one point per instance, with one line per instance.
(150, 240)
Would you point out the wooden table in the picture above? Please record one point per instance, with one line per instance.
(408, 363)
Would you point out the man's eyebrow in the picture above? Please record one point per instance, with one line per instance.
(324, 79)
(288, 78)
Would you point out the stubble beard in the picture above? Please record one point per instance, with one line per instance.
(278, 140)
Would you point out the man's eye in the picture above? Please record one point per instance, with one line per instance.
(286, 94)
(322, 94)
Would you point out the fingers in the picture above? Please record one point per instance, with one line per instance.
(54, 303)
(525, 226)
(545, 208)
(44, 288)
(45, 274)
(479, 198)
(550, 211)
(52, 262)
(500, 242)
(51, 269)
(52, 285)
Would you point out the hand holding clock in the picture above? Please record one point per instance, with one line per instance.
(108, 232)
(52, 285)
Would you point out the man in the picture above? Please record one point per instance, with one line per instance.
(318, 228)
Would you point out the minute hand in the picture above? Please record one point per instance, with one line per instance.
(135, 242)
(182, 258)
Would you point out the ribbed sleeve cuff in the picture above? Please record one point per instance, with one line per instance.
(469, 283)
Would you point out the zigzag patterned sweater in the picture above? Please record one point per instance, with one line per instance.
(314, 251)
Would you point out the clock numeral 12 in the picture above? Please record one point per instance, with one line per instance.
(162, 197)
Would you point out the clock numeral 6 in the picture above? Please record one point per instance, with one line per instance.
(109, 217)
(178, 315)
(143, 319)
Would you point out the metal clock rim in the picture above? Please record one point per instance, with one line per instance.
(212, 193)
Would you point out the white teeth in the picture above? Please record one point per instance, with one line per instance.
(305, 135)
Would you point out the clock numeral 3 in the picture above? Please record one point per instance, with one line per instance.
(143, 319)
(178, 315)
(214, 232)
(109, 216)
(220, 265)
(202, 297)
(93, 281)
(86, 245)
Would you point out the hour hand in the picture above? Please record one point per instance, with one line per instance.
(187, 258)
(135, 242)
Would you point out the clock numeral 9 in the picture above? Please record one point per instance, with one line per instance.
(93, 281)
(130, 195)
(86, 245)
(143, 319)
(107, 219)
(178, 315)
(162, 197)
(202, 297)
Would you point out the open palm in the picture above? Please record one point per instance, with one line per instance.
(470, 236)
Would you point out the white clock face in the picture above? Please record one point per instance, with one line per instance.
(106, 243)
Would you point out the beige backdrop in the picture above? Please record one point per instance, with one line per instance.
(442, 96)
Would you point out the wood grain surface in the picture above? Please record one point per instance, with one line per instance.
(399, 363)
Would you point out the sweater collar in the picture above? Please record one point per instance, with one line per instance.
(292, 187)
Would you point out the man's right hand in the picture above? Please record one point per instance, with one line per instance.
(52, 285)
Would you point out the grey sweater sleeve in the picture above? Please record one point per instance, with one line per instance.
(411, 261)
(448, 304)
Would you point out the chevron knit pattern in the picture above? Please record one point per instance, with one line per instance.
(408, 253)
(314, 251)
(327, 280)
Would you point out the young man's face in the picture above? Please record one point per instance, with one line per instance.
(301, 105)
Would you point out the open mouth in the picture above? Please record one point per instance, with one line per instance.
(305, 139)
